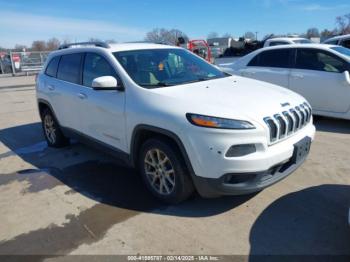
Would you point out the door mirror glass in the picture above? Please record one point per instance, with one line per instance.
(105, 83)
(347, 77)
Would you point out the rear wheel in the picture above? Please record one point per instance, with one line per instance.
(52, 130)
(164, 171)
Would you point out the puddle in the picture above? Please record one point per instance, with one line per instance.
(87, 227)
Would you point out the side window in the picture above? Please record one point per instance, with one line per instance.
(278, 43)
(96, 66)
(346, 43)
(51, 69)
(69, 68)
(332, 42)
(254, 61)
(272, 58)
(319, 60)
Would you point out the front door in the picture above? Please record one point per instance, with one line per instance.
(102, 111)
(318, 75)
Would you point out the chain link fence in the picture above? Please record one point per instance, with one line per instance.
(22, 63)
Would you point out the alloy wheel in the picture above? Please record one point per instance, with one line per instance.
(159, 171)
(50, 129)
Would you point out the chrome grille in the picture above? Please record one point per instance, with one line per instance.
(288, 122)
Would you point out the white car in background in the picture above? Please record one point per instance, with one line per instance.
(318, 72)
(343, 40)
(286, 41)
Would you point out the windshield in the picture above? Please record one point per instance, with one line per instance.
(166, 67)
(342, 50)
(302, 41)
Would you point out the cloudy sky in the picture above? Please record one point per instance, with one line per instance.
(128, 20)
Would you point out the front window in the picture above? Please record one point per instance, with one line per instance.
(319, 60)
(302, 41)
(166, 67)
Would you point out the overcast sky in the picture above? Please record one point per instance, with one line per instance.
(128, 20)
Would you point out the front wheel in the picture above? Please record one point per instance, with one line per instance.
(164, 171)
(52, 130)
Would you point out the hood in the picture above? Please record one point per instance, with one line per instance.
(231, 97)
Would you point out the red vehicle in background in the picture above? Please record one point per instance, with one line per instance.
(199, 47)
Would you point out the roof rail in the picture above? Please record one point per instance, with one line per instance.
(99, 44)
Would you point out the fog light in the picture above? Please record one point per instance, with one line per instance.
(240, 150)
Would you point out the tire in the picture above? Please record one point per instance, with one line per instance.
(52, 131)
(161, 162)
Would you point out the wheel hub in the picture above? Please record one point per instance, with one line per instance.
(159, 171)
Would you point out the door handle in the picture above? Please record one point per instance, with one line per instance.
(298, 76)
(248, 73)
(51, 87)
(82, 96)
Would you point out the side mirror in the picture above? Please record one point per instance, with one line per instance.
(347, 77)
(105, 83)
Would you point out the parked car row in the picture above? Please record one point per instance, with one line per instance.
(319, 72)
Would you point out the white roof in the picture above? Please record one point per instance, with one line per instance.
(319, 46)
(112, 48)
(289, 39)
(337, 37)
(137, 46)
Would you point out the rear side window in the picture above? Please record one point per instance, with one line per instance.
(51, 69)
(278, 43)
(346, 43)
(272, 58)
(312, 59)
(332, 42)
(69, 68)
(96, 66)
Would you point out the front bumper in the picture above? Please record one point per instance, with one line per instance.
(246, 183)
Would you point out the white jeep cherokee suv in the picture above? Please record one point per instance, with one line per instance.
(182, 122)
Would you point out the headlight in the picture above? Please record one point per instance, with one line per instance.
(218, 122)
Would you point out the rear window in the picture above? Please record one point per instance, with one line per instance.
(69, 68)
(272, 58)
(302, 41)
(278, 43)
(346, 43)
(331, 42)
(51, 69)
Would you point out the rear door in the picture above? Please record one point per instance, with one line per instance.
(318, 76)
(65, 90)
(271, 66)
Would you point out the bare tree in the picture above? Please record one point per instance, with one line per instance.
(162, 35)
(20, 48)
(38, 45)
(111, 41)
(93, 39)
(312, 32)
(327, 33)
(53, 44)
(249, 35)
(343, 24)
(212, 35)
(227, 35)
